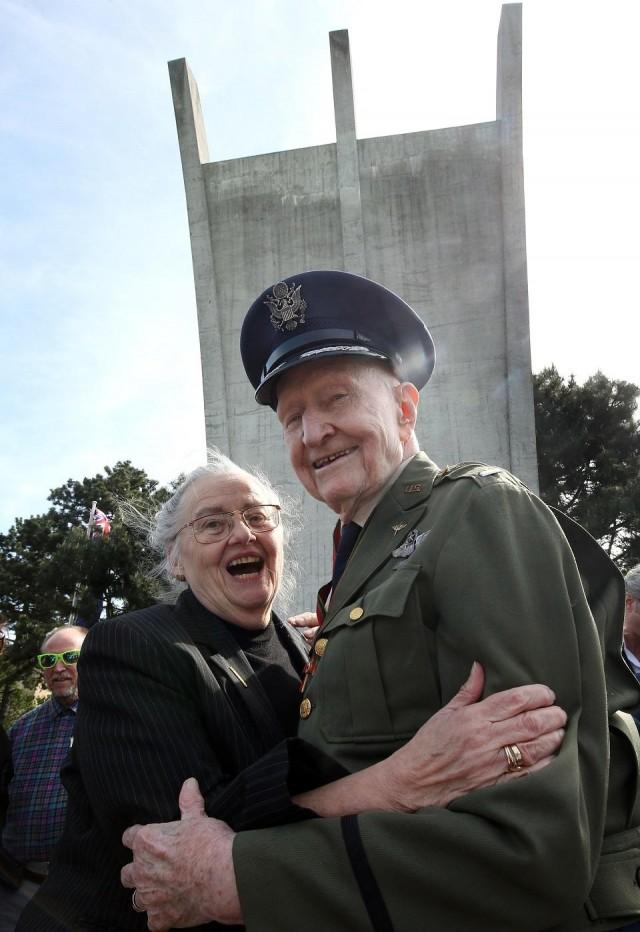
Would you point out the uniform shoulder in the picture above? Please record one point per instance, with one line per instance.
(482, 474)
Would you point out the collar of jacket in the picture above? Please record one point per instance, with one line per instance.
(208, 629)
(395, 515)
(219, 648)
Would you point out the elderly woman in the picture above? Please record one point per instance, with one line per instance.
(207, 687)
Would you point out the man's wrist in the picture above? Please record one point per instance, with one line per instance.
(224, 902)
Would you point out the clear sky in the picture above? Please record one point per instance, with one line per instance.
(98, 329)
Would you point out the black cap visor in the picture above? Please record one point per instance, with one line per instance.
(297, 351)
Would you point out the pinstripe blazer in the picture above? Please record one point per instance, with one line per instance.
(166, 693)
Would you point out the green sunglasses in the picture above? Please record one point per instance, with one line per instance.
(68, 657)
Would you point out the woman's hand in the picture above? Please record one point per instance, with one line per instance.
(460, 748)
(307, 622)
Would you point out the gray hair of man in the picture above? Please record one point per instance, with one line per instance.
(162, 529)
(632, 582)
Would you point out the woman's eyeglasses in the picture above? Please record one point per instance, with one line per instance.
(68, 657)
(211, 528)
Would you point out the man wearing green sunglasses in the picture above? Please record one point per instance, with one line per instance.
(47, 661)
(37, 801)
(57, 661)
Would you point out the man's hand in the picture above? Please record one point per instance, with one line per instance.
(182, 872)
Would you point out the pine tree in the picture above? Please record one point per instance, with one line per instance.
(588, 442)
(47, 559)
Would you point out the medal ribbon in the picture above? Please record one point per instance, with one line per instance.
(344, 540)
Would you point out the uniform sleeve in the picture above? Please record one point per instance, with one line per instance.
(505, 590)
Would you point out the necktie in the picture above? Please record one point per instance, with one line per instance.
(348, 540)
(343, 548)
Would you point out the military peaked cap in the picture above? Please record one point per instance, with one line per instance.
(315, 315)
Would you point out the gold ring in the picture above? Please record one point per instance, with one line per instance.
(515, 760)
(134, 903)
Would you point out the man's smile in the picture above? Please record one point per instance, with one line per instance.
(327, 460)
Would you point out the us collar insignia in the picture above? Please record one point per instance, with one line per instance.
(287, 306)
(413, 488)
(409, 544)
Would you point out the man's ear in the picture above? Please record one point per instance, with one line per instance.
(409, 398)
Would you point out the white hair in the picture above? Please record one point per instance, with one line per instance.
(632, 582)
(161, 529)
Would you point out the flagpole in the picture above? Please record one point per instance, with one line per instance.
(74, 601)
(92, 515)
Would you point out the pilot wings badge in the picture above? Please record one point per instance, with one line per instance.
(287, 306)
(409, 544)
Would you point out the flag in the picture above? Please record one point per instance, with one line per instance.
(101, 521)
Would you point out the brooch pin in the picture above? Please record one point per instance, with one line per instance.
(287, 306)
(409, 544)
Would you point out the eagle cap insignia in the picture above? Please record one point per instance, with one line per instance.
(287, 306)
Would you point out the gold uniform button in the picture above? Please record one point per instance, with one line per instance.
(320, 647)
(305, 708)
(356, 613)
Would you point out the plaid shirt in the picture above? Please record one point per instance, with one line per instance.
(40, 742)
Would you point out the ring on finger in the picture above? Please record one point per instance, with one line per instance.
(135, 904)
(515, 760)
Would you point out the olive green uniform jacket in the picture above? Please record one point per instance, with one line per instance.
(488, 576)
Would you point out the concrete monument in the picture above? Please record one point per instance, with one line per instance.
(437, 216)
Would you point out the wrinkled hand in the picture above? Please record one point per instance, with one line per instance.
(461, 747)
(182, 871)
(307, 622)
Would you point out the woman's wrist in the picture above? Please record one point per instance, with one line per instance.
(381, 787)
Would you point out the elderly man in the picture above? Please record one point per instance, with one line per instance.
(631, 629)
(40, 740)
(446, 566)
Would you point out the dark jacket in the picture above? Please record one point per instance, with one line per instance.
(160, 703)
